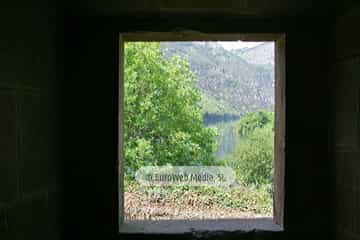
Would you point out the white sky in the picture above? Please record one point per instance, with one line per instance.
(238, 44)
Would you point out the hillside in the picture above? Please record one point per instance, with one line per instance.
(229, 84)
(262, 54)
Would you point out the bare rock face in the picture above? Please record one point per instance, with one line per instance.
(230, 83)
(262, 54)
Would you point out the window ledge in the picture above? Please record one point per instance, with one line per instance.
(200, 227)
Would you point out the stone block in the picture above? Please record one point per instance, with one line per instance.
(38, 165)
(9, 165)
(29, 219)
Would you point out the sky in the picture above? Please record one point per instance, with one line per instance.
(238, 44)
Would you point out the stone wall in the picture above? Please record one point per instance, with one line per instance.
(29, 124)
(91, 113)
(346, 125)
(33, 162)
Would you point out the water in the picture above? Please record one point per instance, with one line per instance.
(227, 138)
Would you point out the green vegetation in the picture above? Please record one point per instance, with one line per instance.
(163, 118)
(216, 106)
(229, 84)
(254, 154)
(254, 120)
(227, 138)
(243, 198)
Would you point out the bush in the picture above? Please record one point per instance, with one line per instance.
(255, 157)
(254, 154)
(249, 122)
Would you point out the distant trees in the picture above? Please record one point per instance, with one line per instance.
(210, 118)
(252, 120)
(163, 121)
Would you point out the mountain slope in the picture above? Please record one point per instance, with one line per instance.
(262, 54)
(228, 83)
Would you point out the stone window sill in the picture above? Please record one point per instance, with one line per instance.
(201, 227)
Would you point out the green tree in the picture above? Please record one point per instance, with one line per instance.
(252, 120)
(163, 121)
(254, 154)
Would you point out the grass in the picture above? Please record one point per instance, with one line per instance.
(248, 199)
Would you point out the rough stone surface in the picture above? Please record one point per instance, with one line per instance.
(8, 146)
(201, 227)
(28, 129)
(346, 125)
(322, 160)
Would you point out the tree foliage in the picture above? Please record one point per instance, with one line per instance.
(253, 120)
(163, 121)
(254, 154)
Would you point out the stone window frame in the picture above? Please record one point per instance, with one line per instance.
(187, 226)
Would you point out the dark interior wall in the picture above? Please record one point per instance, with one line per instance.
(90, 116)
(90, 120)
(245, 8)
(30, 135)
(346, 125)
(307, 180)
(29, 124)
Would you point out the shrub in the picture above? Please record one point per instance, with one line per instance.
(254, 154)
(250, 121)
